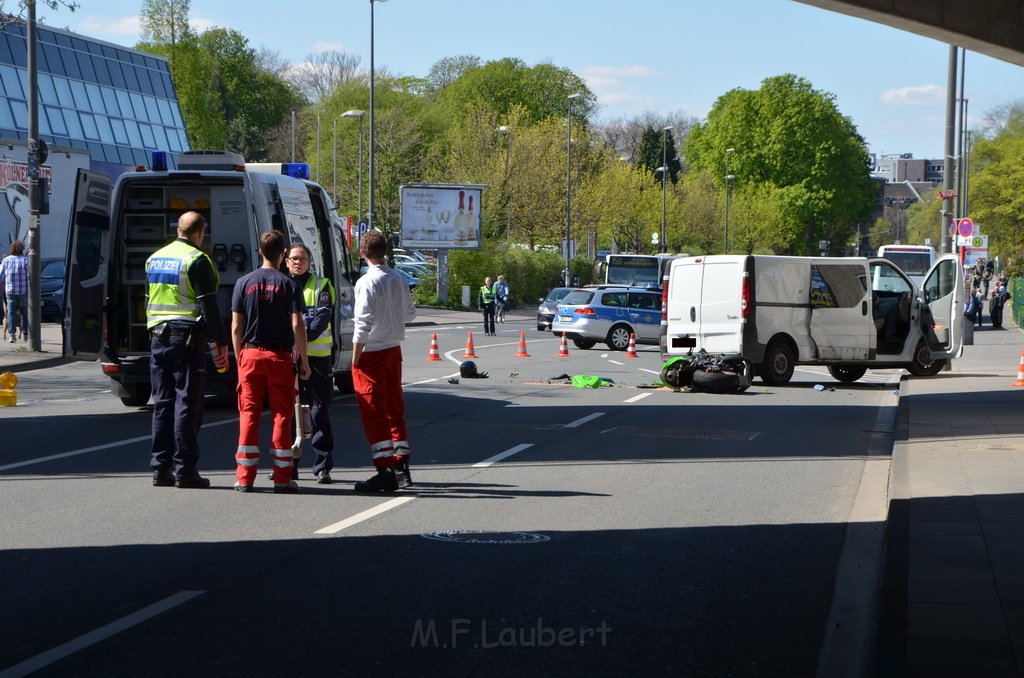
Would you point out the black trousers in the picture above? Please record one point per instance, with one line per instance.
(177, 375)
(318, 393)
(489, 319)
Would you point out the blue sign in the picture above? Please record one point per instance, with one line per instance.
(363, 228)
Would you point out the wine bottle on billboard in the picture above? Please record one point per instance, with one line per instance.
(471, 222)
(461, 223)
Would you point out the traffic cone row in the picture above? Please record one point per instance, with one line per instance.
(563, 349)
(469, 347)
(522, 345)
(433, 355)
(631, 349)
(1020, 371)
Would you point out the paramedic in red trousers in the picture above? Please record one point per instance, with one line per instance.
(181, 309)
(382, 308)
(318, 390)
(268, 331)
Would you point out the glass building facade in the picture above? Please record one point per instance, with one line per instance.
(116, 103)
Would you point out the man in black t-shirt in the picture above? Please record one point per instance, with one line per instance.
(269, 334)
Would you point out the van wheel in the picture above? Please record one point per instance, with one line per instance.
(584, 343)
(847, 373)
(343, 381)
(138, 395)
(618, 338)
(922, 364)
(778, 365)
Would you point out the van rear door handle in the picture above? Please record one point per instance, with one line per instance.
(693, 314)
(864, 308)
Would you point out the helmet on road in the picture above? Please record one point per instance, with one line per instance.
(468, 369)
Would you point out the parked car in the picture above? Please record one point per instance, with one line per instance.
(51, 286)
(548, 306)
(609, 314)
(414, 254)
(410, 278)
(418, 271)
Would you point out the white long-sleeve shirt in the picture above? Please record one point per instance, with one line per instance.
(383, 306)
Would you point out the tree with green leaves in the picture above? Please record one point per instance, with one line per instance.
(543, 90)
(790, 137)
(997, 187)
(654, 144)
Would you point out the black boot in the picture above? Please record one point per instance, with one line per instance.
(384, 481)
(402, 474)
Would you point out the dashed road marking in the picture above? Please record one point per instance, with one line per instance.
(364, 515)
(503, 455)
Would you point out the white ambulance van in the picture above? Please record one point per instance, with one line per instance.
(117, 226)
(850, 314)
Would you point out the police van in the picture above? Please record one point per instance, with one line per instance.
(117, 225)
(847, 313)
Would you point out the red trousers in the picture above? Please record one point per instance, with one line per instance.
(272, 374)
(378, 385)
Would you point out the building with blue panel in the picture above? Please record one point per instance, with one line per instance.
(100, 106)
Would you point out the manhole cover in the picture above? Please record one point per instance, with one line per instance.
(480, 537)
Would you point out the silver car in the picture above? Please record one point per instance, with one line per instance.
(548, 306)
(609, 314)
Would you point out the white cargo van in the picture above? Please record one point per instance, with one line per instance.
(850, 314)
(115, 228)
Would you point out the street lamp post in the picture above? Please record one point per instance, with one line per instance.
(568, 184)
(371, 216)
(356, 113)
(664, 176)
(505, 129)
(728, 178)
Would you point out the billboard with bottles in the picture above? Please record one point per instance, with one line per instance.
(441, 216)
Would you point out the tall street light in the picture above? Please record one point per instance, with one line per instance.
(568, 184)
(372, 214)
(664, 176)
(505, 129)
(728, 178)
(356, 113)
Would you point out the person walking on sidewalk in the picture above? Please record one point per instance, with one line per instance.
(268, 332)
(485, 302)
(181, 309)
(996, 304)
(14, 273)
(318, 390)
(383, 306)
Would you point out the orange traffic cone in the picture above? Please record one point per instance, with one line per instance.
(1020, 371)
(469, 347)
(433, 355)
(631, 349)
(522, 345)
(563, 350)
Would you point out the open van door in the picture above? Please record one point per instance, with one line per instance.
(90, 241)
(943, 295)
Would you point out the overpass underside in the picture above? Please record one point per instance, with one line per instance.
(990, 27)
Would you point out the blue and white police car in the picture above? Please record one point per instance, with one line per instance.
(609, 314)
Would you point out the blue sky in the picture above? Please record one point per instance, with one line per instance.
(657, 55)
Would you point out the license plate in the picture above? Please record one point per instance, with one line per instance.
(565, 318)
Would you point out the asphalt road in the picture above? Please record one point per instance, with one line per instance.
(552, 530)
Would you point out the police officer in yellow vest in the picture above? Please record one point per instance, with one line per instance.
(486, 301)
(318, 390)
(181, 311)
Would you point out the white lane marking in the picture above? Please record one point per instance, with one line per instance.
(502, 455)
(61, 651)
(636, 398)
(616, 362)
(644, 369)
(97, 448)
(365, 515)
(584, 420)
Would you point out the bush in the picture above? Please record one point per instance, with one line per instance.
(530, 274)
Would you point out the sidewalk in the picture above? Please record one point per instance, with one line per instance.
(952, 593)
(19, 356)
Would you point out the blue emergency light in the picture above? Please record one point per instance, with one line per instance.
(299, 170)
(159, 161)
